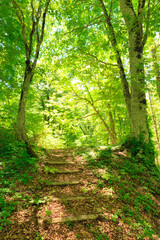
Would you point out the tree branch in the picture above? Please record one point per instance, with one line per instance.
(89, 94)
(141, 6)
(86, 26)
(113, 41)
(86, 116)
(80, 98)
(93, 56)
(111, 9)
(96, 111)
(33, 29)
(20, 16)
(38, 15)
(41, 35)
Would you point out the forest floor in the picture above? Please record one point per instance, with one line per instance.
(93, 201)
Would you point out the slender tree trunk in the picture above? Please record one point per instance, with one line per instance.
(112, 126)
(156, 69)
(82, 130)
(20, 127)
(112, 136)
(155, 127)
(154, 121)
(10, 111)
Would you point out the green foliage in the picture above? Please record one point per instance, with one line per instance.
(135, 182)
(69, 136)
(50, 169)
(16, 165)
(146, 230)
(105, 155)
(16, 157)
(39, 236)
(100, 236)
(141, 151)
(6, 209)
(103, 158)
(38, 201)
(48, 212)
(69, 224)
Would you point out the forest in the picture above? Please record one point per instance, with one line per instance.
(79, 119)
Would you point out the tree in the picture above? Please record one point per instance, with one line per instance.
(156, 68)
(91, 102)
(135, 99)
(116, 31)
(32, 39)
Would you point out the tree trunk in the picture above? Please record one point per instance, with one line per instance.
(20, 127)
(139, 124)
(154, 122)
(112, 136)
(138, 113)
(82, 129)
(156, 69)
(112, 126)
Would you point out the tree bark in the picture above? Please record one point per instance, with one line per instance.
(138, 119)
(20, 126)
(112, 126)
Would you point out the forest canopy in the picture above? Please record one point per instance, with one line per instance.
(77, 73)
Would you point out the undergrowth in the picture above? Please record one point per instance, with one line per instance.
(135, 180)
(15, 165)
(141, 151)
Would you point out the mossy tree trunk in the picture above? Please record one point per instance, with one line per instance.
(134, 96)
(20, 127)
(138, 118)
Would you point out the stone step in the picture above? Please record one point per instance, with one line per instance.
(74, 218)
(58, 162)
(67, 171)
(72, 198)
(63, 183)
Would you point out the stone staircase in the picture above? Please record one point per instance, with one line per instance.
(60, 182)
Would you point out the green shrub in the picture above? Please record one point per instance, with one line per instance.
(15, 157)
(141, 151)
(105, 155)
(5, 211)
(103, 158)
(15, 163)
